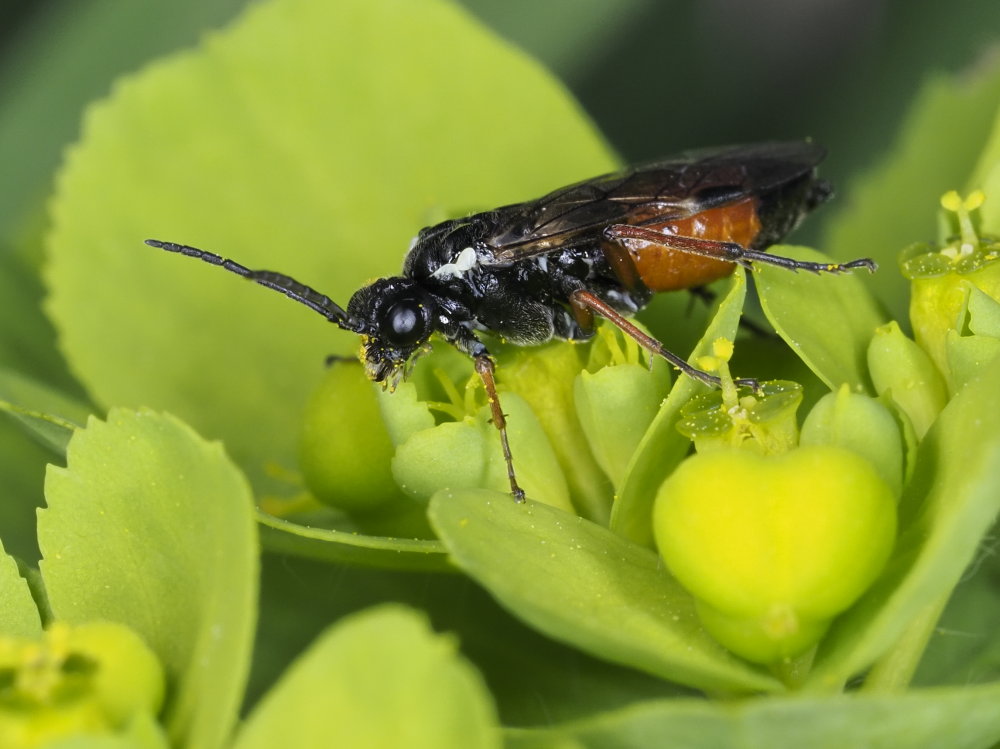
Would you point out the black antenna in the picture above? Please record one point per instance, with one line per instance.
(277, 281)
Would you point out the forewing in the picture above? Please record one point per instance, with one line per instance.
(667, 190)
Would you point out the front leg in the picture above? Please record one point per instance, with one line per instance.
(485, 368)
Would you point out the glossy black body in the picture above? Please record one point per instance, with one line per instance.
(522, 262)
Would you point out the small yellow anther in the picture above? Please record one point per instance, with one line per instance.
(723, 348)
(975, 199)
(951, 201)
(709, 363)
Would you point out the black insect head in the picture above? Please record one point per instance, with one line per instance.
(395, 317)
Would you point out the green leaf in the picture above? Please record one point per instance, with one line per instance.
(951, 501)
(964, 647)
(18, 612)
(27, 338)
(526, 671)
(54, 430)
(45, 413)
(985, 173)
(896, 203)
(100, 742)
(151, 526)
(309, 138)
(346, 547)
(22, 468)
(827, 320)
(381, 678)
(924, 719)
(990, 212)
(663, 447)
(582, 584)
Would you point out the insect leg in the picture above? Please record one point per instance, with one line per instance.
(622, 265)
(729, 251)
(588, 300)
(484, 368)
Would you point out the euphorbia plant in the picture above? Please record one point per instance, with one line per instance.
(785, 562)
(772, 539)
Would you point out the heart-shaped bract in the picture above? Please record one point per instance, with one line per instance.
(773, 547)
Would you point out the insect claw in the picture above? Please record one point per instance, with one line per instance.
(750, 382)
(866, 262)
(332, 359)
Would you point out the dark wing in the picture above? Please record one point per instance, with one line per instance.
(679, 187)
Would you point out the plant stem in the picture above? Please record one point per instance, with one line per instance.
(793, 672)
(894, 670)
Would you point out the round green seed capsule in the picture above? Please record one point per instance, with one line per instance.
(773, 547)
(345, 449)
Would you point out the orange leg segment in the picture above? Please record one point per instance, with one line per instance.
(485, 368)
(586, 299)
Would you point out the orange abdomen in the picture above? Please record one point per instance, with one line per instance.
(664, 269)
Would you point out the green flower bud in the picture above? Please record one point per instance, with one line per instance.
(761, 422)
(968, 353)
(904, 371)
(345, 449)
(404, 413)
(941, 279)
(40, 727)
(862, 425)
(615, 406)
(94, 678)
(128, 677)
(466, 454)
(773, 547)
(939, 306)
(544, 377)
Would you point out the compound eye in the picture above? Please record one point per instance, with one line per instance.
(404, 323)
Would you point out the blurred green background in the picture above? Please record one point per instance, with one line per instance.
(656, 75)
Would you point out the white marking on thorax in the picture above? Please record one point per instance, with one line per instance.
(467, 260)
